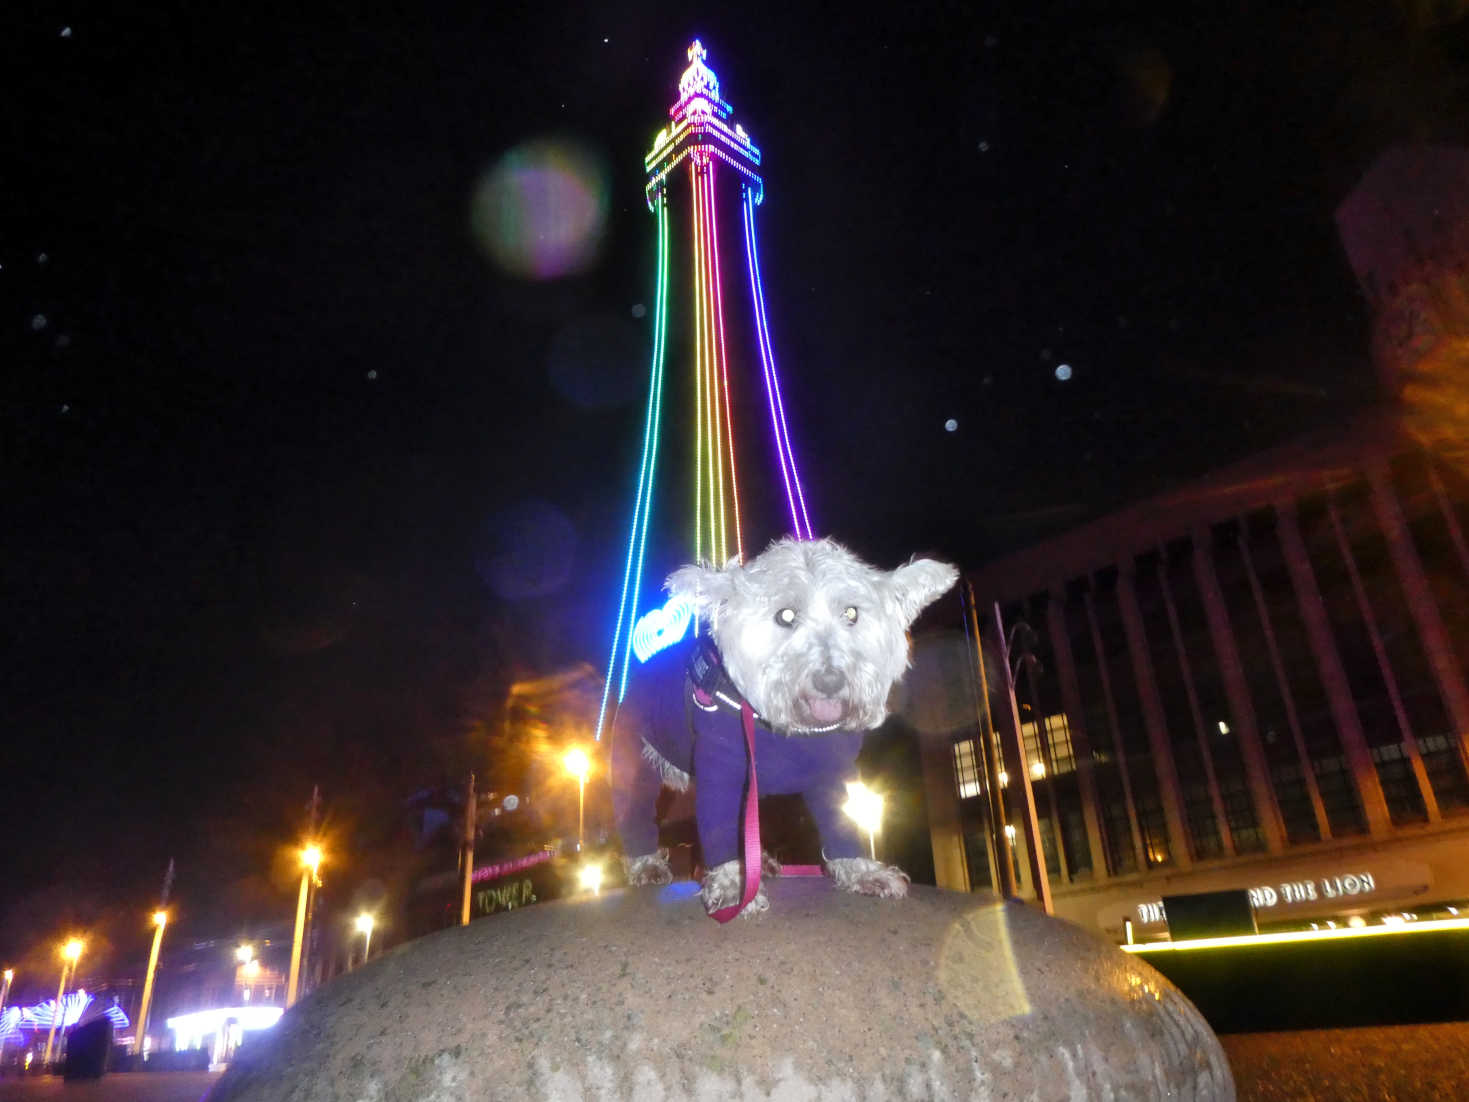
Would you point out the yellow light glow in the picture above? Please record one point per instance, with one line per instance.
(9, 974)
(245, 954)
(590, 878)
(311, 857)
(252, 967)
(1004, 778)
(1037, 770)
(364, 923)
(73, 949)
(1297, 935)
(863, 806)
(160, 918)
(577, 763)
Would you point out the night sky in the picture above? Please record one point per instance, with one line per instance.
(298, 475)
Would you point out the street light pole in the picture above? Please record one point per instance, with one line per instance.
(578, 764)
(140, 1032)
(1024, 794)
(364, 927)
(466, 852)
(70, 954)
(310, 861)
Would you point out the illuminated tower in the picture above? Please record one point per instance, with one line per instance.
(703, 157)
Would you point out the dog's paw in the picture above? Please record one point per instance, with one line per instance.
(650, 868)
(863, 876)
(724, 886)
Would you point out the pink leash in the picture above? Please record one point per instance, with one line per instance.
(752, 822)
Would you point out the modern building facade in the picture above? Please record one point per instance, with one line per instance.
(1260, 681)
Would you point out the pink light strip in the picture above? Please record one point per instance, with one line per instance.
(734, 482)
(800, 520)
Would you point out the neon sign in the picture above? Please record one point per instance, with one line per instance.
(661, 628)
(1265, 896)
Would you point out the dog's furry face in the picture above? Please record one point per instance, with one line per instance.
(812, 636)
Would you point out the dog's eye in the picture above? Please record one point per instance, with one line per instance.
(850, 614)
(786, 617)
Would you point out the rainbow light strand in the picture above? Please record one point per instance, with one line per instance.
(701, 135)
(632, 573)
(800, 523)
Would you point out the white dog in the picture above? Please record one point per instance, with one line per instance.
(813, 639)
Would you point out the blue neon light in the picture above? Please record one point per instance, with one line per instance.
(643, 505)
(660, 629)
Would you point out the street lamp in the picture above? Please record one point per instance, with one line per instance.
(590, 878)
(578, 764)
(71, 952)
(864, 807)
(5, 990)
(364, 927)
(310, 862)
(140, 1033)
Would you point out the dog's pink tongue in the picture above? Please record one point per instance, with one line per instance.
(824, 709)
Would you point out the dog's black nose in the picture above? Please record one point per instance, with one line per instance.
(829, 681)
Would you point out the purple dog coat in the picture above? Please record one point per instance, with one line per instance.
(710, 746)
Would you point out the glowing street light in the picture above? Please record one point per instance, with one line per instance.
(590, 878)
(140, 1033)
(364, 927)
(310, 862)
(71, 952)
(578, 765)
(9, 975)
(245, 954)
(864, 807)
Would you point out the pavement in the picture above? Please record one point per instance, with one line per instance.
(1397, 1063)
(129, 1086)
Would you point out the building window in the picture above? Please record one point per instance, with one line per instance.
(966, 770)
(1349, 514)
(1280, 609)
(1058, 738)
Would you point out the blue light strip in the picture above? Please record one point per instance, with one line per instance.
(800, 521)
(643, 504)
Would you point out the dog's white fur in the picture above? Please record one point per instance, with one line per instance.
(831, 662)
(775, 666)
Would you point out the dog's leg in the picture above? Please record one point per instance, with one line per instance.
(650, 868)
(724, 886)
(864, 876)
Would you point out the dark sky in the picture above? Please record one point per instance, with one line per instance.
(293, 467)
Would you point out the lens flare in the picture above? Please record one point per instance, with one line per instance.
(541, 211)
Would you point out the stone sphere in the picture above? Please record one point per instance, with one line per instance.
(637, 994)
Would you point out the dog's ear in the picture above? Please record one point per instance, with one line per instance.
(705, 586)
(917, 584)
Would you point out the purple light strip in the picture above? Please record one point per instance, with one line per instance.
(801, 521)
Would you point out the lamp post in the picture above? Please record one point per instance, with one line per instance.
(310, 862)
(364, 927)
(140, 1033)
(864, 807)
(578, 764)
(9, 975)
(71, 952)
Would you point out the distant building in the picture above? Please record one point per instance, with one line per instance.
(1261, 681)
